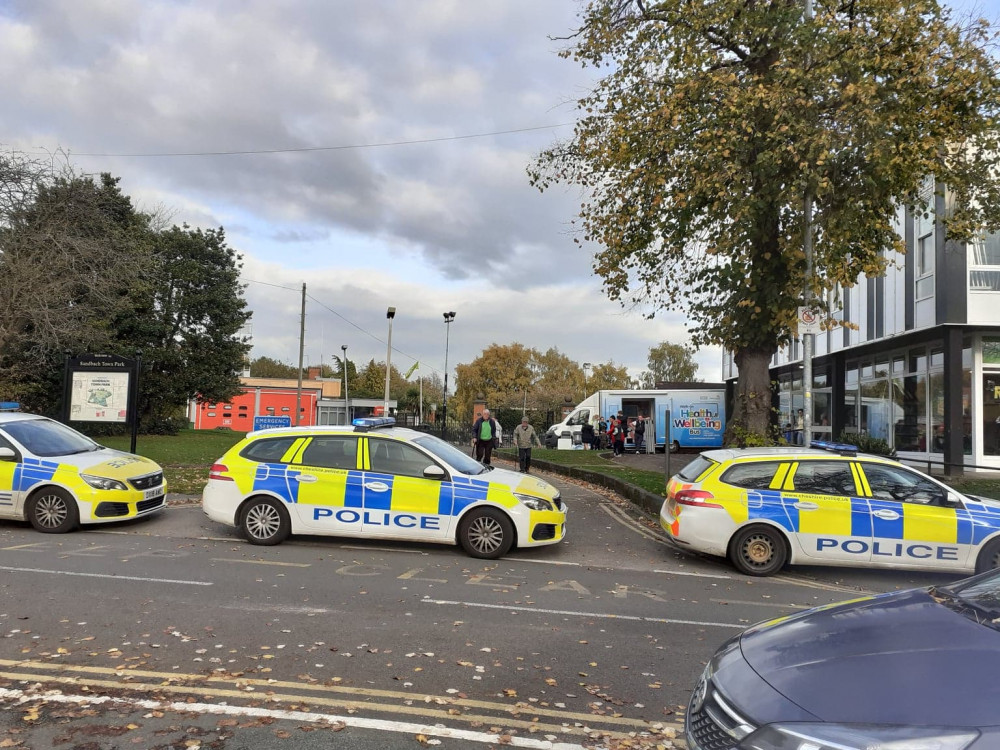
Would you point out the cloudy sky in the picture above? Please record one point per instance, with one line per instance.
(443, 219)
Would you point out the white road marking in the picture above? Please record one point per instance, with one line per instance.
(627, 521)
(261, 562)
(541, 562)
(692, 573)
(106, 575)
(383, 549)
(779, 605)
(384, 725)
(572, 613)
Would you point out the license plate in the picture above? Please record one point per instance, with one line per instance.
(155, 492)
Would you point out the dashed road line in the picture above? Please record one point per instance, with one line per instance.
(694, 574)
(260, 562)
(110, 576)
(574, 613)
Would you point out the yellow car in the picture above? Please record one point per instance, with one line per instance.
(376, 481)
(764, 507)
(56, 478)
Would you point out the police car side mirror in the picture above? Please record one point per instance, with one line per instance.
(7, 454)
(434, 472)
(951, 499)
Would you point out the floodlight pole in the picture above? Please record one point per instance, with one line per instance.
(448, 317)
(390, 314)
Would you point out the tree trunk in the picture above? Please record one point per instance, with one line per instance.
(750, 423)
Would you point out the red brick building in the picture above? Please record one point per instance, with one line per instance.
(265, 397)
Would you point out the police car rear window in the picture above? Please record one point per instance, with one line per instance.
(695, 469)
(269, 450)
(753, 476)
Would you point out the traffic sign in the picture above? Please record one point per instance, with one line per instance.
(267, 423)
(808, 320)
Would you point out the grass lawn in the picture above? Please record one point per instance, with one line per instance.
(185, 457)
(591, 461)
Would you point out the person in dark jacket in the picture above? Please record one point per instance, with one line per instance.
(485, 433)
(639, 434)
(587, 436)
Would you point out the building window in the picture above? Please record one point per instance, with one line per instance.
(925, 267)
(984, 264)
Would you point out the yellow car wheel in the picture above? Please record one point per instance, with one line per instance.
(758, 551)
(52, 510)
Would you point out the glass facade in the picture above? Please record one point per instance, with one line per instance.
(899, 398)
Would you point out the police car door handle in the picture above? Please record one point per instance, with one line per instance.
(887, 515)
(304, 478)
(806, 506)
(376, 486)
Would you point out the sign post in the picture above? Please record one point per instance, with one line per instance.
(102, 388)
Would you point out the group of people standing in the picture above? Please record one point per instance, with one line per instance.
(486, 437)
(613, 431)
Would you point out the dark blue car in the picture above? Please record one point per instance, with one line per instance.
(912, 670)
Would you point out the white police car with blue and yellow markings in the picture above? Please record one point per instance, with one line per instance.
(377, 481)
(57, 478)
(764, 507)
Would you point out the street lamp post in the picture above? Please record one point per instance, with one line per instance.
(390, 314)
(586, 366)
(448, 317)
(347, 400)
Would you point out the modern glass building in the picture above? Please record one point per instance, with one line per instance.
(919, 365)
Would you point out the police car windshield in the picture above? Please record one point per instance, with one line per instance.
(43, 437)
(450, 455)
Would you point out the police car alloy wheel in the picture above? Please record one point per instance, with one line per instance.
(265, 522)
(989, 558)
(53, 511)
(758, 551)
(486, 534)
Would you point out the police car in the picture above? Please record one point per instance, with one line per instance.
(56, 478)
(378, 481)
(764, 507)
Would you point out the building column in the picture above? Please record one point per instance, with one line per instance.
(837, 408)
(954, 456)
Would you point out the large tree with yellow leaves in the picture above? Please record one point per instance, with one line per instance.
(714, 118)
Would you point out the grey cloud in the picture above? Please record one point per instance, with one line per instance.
(175, 77)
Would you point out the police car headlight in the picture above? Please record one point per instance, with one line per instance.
(535, 503)
(102, 483)
(860, 736)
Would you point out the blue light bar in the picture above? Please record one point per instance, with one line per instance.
(362, 424)
(827, 445)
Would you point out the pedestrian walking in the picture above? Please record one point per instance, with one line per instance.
(640, 434)
(524, 436)
(485, 434)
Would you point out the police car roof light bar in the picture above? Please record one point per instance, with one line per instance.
(363, 424)
(844, 449)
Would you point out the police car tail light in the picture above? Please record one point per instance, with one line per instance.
(218, 471)
(699, 498)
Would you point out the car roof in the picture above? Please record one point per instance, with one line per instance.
(792, 452)
(19, 416)
(397, 432)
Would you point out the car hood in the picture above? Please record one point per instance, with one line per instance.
(896, 658)
(522, 483)
(108, 462)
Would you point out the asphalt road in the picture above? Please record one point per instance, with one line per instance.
(173, 632)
